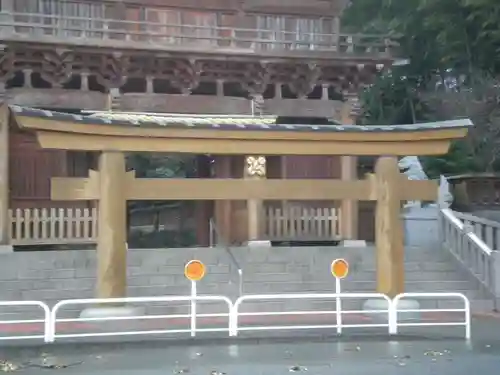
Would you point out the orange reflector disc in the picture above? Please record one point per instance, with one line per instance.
(340, 268)
(194, 270)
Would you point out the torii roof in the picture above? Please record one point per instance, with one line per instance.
(222, 122)
(231, 135)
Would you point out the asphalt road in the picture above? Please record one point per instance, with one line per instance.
(430, 351)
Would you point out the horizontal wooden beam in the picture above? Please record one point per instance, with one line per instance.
(88, 142)
(215, 189)
(239, 189)
(236, 189)
(75, 188)
(413, 190)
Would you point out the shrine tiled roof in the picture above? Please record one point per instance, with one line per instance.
(236, 122)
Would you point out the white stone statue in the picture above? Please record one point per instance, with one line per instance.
(411, 167)
(445, 198)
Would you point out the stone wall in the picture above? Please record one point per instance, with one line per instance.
(51, 276)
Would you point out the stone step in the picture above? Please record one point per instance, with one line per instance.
(411, 276)
(477, 305)
(447, 266)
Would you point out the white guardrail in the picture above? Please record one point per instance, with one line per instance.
(388, 317)
(50, 319)
(47, 321)
(338, 312)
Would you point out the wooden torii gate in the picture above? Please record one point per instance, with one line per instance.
(113, 134)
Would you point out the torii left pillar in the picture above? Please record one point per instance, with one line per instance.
(112, 226)
(111, 236)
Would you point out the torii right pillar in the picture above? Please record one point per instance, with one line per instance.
(349, 172)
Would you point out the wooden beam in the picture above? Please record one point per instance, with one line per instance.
(413, 190)
(4, 175)
(74, 188)
(57, 98)
(219, 146)
(389, 227)
(215, 189)
(112, 223)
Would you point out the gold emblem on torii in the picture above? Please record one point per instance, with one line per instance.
(256, 166)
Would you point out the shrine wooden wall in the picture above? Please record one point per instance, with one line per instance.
(30, 170)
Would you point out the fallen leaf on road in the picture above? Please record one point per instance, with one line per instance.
(403, 357)
(53, 365)
(355, 349)
(181, 371)
(6, 366)
(297, 368)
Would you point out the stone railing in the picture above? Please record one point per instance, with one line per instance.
(106, 31)
(473, 242)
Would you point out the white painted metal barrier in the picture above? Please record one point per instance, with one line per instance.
(45, 320)
(337, 297)
(52, 335)
(50, 318)
(195, 271)
(395, 311)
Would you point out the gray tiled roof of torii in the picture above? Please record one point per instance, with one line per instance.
(224, 122)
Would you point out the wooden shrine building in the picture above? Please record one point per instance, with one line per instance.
(217, 58)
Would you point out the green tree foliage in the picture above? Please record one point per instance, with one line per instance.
(453, 47)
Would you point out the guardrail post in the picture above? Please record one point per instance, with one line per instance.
(233, 319)
(495, 278)
(393, 316)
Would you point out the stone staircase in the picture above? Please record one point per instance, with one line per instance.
(426, 270)
(435, 270)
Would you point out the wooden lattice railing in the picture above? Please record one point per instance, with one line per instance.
(38, 226)
(98, 28)
(302, 223)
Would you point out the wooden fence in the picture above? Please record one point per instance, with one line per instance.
(39, 226)
(302, 224)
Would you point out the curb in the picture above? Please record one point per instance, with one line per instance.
(488, 315)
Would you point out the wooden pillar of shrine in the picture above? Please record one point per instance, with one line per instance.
(222, 208)
(349, 172)
(4, 176)
(203, 209)
(389, 227)
(255, 168)
(112, 230)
